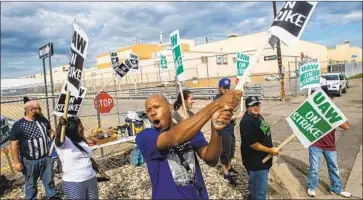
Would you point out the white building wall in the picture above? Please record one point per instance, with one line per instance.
(195, 67)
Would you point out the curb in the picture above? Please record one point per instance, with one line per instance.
(294, 181)
(354, 183)
(289, 176)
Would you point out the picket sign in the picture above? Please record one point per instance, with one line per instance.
(243, 79)
(75, 102)
(310, 76)
(178, 63)
(243, 62)
(79, 47)
(313, 119)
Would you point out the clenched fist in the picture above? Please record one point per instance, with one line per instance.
(221, 119)
(18, 166)
(230, 100)
(62, 121)
(274, 151)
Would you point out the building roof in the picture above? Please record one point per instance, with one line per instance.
(15, 83)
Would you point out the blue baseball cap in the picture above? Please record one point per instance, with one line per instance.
(224, 82)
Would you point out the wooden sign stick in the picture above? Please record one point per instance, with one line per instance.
(182, 98)
(65, 115)
(292, 136)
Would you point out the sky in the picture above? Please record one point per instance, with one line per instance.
(25, 26)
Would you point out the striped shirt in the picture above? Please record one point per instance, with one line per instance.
(33, 137)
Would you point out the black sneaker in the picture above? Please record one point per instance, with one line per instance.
(228, 179)
(232, 172)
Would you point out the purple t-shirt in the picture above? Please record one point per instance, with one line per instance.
(170, 179)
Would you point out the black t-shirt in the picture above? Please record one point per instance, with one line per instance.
(33, 137)
(254, 129)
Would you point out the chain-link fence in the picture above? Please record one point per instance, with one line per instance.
(203, 73)
(201, 69)
(129, 93)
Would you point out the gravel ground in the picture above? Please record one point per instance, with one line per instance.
(128, 182)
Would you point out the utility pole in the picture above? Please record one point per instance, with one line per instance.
(279, 59)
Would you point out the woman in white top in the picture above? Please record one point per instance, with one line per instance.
(79, 177)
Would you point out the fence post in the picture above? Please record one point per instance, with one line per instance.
(116, 98)
(207, 71)
(101, 80)
(46, 88)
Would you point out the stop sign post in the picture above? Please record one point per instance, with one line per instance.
(105, 103)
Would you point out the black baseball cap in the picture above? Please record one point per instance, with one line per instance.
(251, 100)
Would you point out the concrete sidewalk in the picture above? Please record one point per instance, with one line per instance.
(294, 181)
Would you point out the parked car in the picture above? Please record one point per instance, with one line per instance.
(271, 78)
(337, 84)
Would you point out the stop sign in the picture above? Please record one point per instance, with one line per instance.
(105, 103)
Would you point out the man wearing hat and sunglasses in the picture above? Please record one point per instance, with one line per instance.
(256, 145)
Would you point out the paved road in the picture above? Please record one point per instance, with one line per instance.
(348, 142)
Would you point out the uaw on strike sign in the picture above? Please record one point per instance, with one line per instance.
(75, 101)
(120, 70)
(291, 21)
(315, 118)
(309, 76)
(177, 55)
(79, 46)
(114, 59)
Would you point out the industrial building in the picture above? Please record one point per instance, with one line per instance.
(205, 63)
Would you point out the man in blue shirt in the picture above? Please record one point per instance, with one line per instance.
(228, 138)
(169, 149)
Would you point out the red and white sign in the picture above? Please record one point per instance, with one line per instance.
(105, 103)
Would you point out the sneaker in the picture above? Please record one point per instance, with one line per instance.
(311, 193)
(232, 172)
(343, 194)
(228, 179)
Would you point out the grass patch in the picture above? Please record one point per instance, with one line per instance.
(356, 76)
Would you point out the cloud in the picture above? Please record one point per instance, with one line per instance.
(27, 25)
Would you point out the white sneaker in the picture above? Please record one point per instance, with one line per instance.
(343, 194)
(311, 193)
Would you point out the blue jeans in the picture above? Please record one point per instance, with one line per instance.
(314, 169)
(33, 169)
(257, 184)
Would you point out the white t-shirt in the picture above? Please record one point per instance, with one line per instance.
(76, 165)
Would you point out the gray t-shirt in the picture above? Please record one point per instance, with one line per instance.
(178, 118)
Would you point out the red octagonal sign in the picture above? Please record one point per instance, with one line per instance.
(105, 103)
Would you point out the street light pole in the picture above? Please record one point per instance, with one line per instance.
(52, 89)
(46, 89)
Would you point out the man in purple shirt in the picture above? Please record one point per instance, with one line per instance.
(169, 149)
(325, 146)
